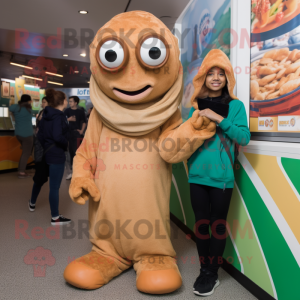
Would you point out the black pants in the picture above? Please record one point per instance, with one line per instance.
(210, 207)
(41, 172)
(74, 143)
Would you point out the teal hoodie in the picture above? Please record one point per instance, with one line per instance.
(210, 164)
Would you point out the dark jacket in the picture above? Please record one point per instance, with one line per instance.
(54, 129)
(37, 119)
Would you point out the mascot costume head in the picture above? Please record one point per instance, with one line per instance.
(123, 166)
(137, 73)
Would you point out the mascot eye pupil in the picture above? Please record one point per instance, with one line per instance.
(111, 55)
(154, 53)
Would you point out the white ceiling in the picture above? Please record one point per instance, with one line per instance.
(44, 17)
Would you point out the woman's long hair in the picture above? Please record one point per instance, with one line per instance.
(24, 102)
(55, 98)
(225, 95)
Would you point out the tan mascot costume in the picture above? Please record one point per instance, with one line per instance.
(123, 166)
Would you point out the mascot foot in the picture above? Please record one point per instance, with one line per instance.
(91, 271)
(157, 275)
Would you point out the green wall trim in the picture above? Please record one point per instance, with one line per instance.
(292, 167)
(283, 267)
(248, 245)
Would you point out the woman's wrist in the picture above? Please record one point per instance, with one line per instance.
(220, 119)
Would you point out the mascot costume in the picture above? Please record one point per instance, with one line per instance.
(124, 164)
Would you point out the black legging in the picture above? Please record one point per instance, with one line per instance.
(210, 204)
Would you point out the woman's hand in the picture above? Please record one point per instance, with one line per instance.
(211, 115)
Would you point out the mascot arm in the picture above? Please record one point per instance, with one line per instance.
(178, 142)
(85, 163)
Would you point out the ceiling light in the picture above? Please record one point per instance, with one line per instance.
(7, 80)
(65, 55)
(32, 77)
(55, 83)
(83, 12)
(76, 71)
(83, 54)
(18, 65)
(49, 73)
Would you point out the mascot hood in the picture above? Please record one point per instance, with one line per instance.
(214, 58)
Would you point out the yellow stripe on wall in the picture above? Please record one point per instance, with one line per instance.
(266, 167)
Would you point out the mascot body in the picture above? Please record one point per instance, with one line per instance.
(124, 164)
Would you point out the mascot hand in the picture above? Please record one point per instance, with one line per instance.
(82, 188)
(200, 123)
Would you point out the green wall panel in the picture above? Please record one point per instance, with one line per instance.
(292, 167)
(282, 264)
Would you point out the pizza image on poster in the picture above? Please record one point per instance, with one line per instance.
(271, 14)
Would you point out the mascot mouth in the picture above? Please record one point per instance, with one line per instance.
(133, 95)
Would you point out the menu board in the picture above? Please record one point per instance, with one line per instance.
(275, 68)
(19, 86)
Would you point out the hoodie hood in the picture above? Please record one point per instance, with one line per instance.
(51, 113)
(214, 58)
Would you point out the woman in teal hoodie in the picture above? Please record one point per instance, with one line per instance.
(211, 174)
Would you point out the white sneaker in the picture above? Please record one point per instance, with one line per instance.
(30, 206)
(69, 176)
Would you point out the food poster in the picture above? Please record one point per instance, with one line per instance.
(5, 89)
(275, 66)
(20, 89)
(4, 97)
(207, 24)
(12, 94)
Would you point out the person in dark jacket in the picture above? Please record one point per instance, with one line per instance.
(77, 123)
(53, 134)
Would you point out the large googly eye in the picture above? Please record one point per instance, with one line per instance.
(153, 51)
(112, 54)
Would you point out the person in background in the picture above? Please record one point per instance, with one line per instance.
(89, 112)
(77, 124)
(53, 134)
(40, 114)
(23, 131)
(88, 116)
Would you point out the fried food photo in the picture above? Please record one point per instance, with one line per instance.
(275, 74)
